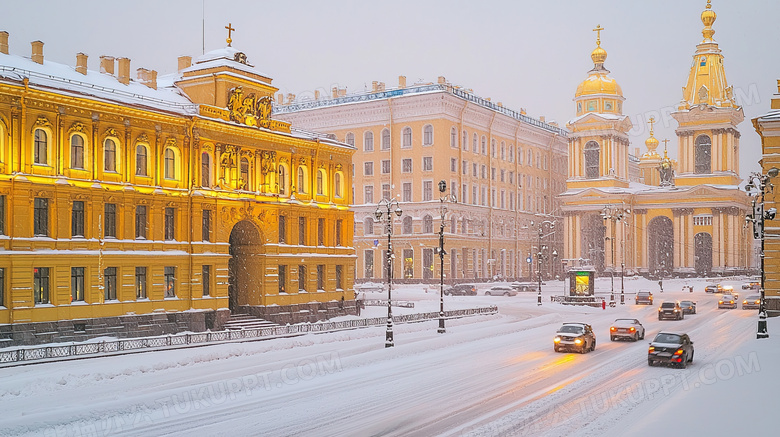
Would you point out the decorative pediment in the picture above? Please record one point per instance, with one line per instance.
(143, 138)
(43, 122)
(111, 132)
(170, 142)
(77, 127)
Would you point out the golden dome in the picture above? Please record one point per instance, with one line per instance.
(598, 55)
(598, 83)
(651, 143)
(707, 18)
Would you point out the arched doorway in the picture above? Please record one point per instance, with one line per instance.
(593, 234)
(660, 246)
(703, 253)
(244, 268)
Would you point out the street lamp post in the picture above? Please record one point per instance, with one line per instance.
(443, 210)
(617, 214)
(387, 216)
(759, 215)
(540, 255)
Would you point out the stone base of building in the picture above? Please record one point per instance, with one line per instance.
(301, 313)
(772, 306)
(127, 326)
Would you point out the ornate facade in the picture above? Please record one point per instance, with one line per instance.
(179, 196)
(673, 218)
(504, 168)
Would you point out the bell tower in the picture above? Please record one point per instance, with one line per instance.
(598, 142)
(708, 115)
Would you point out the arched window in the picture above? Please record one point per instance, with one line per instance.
(205, 170)
(109, 155)
(427, 224)
(282, 180)
(493, 148)
(484, 145)
(77, 151)
(474, 147)
(386, 139)
(244, 173)
(368, 226)
(591, 160)
(465, 140)
(337, 185)
(350, 139)
(503, 151)
(140, 160)
(407, 138)
(427, 135)
(301, 179)
(407, 225)
(41, 147)
(368, 141)
(453, 137)
(170, 164)
(321, 179)
(703, 155)
(511, 153)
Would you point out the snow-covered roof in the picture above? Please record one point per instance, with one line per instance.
(640, 188)
(224, 57)
(102, 86)
(604, 115)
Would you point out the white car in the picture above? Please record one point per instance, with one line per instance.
(727, 301)
(627, 328)
(501, 290)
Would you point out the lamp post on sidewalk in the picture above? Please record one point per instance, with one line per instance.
(617, 214)
(540, 255)
(759, 215)
(443, 209)
(387, 217)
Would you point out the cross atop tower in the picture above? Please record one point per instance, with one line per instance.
(651, 122)
(598, 30)
(230, 29)
(665, 141)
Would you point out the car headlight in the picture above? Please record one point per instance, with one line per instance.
(613, 329)
(720, 301)
(578, 341)
(744, 302)
(557, 339)
(652, 349)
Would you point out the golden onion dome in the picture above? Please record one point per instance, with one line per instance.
(598, 55)
(598, 83)
(707, 18)
(651, 143)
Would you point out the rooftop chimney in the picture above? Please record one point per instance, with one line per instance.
(81, 63)
(522, 111)
(373, 86)
(185, 62)
(334, 92)
(4, 42)
(316, 94)
(500, 105)
(342, 92)
(290, 97)
(401, 81)
(636, 151)
(380, 87)
(107, 64)
(37, 52)
(280, 98)
(124, 70)
(442, 80)
(147, 77)
(541, 118)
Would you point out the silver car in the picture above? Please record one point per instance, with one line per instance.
(626, 328)
(501, 290)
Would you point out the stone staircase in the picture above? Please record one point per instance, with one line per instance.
(245, 321)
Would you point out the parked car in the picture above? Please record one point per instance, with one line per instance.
(501, 290)
(727, 301)
(644, 297)
(670, 348)
(626, 328)
(670, 310)
(461, 290)
(688, 306)
(751, 286)
(526, 286)
(752, 302)
(578, 337)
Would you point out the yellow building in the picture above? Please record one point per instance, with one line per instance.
(504, 167)
(135, 206)
(672, 218)
(768, 127)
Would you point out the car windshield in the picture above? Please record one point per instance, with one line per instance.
(727, 297)
(667, 338)
(643, 293)
(572, 329)
(753, 297)
(667, 305)
(686, 303)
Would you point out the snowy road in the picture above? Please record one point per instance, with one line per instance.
(495, 375)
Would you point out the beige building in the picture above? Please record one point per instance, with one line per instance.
(676, 218)
(504, 167)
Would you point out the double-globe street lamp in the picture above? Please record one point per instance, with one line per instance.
(616, 214)
(761, 183)
(540, 255)
(384, 213)
(443, 209)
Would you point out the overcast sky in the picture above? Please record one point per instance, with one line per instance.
(526, 54)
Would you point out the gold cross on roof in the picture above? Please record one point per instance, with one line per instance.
(598, 30)
(665, 141)
(652, 122)
(230, 29)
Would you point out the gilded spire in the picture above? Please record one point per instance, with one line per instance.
(230, 29)
(598, 55)
(708, 17)
(651, 142)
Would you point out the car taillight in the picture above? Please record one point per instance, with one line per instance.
(632, 329)
(652, 348)
(613, 329)
(679, 352)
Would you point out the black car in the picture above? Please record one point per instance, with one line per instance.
(670, 348)
(578, 337)
(670, 310)
(688, 306)
(461, 290)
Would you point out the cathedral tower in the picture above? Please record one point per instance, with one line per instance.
(708, 117)
(598, 143)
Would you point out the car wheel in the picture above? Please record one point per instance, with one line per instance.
(487, 293)
(636, 336)
(556, 349)
(650, 362)
(684, 363)
(506, 294)
(593, 345)
(659, 317)
(643, 334)
(611, 338)
(691, 359)
(584, 348)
